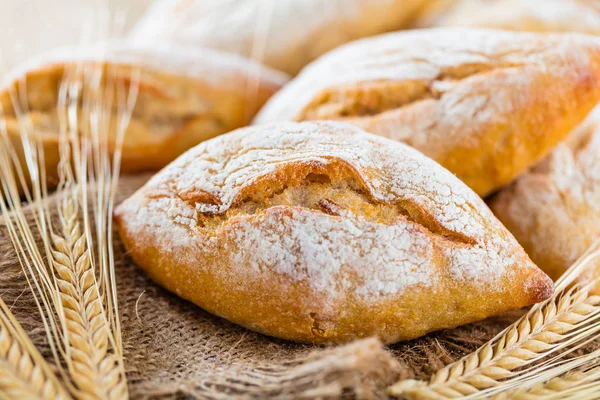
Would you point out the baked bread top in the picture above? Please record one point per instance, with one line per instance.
(284, 34)
(524, 15)
(184, 96)
(554, 209)
(485, 104)
(322, 232)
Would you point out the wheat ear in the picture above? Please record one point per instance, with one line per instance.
(578, 378)
(93, 368)
(573, 385)
(84, 275)
(71, 272)
(24, 374)
(569, 318)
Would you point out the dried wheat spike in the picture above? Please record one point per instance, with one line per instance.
(543, 329)
(95, 369)
(24, 374)
(565, 386)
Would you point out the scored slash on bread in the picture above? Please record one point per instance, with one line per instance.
(185, 96)
(320, 232)
(485, 104)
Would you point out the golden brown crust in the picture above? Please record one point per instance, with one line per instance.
(320, 232)
(184, 97)
(554, 210)
(284, 34)
(473, 100)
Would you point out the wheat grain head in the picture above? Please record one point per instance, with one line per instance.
(573, 379)
(94, 368)
(24, 374)
(71, 271)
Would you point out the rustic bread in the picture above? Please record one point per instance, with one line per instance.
(184, 97)
(554, 210)
(320, 232)
(485, 104)
(284, 34)
(524, 15)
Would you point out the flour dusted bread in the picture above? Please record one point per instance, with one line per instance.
(524, 15)
(320, 232)
(284, 34)
(554, 209)
(485, 104)
(184, 97)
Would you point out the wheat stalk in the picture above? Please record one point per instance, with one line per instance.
(24, 374)
(94, 369)
(68, 294)
(71, 272)
(571, 385)
(577, 378)
(567, 320)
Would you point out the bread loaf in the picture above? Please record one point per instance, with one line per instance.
(485, 104)
(320, 232)
(554, 210)
(184, 97)
(284, 34)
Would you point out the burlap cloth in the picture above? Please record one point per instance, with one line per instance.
(174, 349)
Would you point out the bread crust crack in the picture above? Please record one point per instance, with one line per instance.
(369, 98)
(334, 189)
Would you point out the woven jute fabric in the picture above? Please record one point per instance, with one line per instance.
(174, 349)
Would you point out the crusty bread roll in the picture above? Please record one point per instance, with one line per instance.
(554, 210)
(284, 34)
(184, 97)
(524, 15)
(485, 104)
(320, 232)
